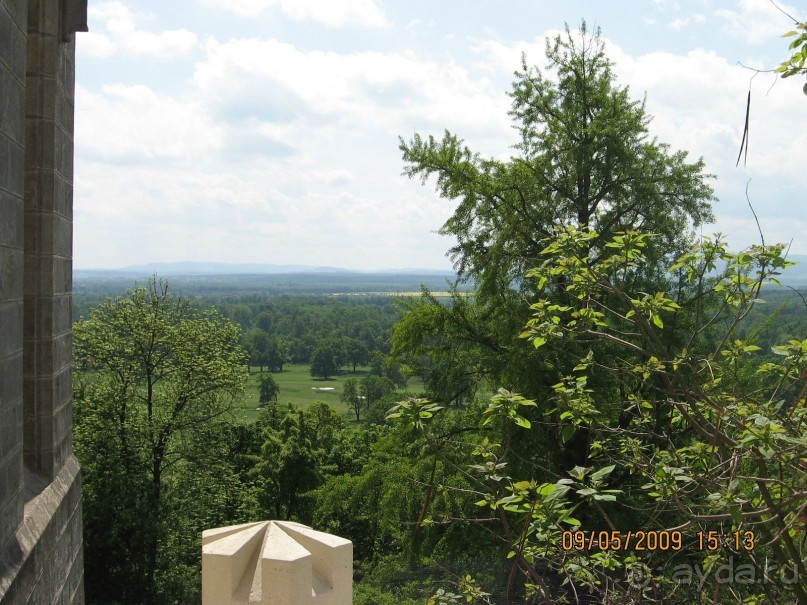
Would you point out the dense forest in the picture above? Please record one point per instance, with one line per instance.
(605, 410)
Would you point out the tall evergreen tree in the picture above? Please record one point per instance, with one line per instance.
(585, 158)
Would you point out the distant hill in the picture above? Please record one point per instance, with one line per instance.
(191, 268)
(795, 276)
(224, 279)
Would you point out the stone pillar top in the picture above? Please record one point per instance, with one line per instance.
(275, 563)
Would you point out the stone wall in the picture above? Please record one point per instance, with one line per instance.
(48, 241)
(40, 480)
(13, 20)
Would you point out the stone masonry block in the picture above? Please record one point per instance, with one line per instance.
(10, 326)
(12, 89)
(44, 17)
(18, 11)
(11, 229)
(11, 165)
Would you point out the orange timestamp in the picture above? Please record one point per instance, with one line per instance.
(655, 540)
(738, 540)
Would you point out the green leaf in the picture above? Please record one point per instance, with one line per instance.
(603, 472)
(605, 497)
(567, 432)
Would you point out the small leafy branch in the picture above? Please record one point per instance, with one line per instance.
(795, 64)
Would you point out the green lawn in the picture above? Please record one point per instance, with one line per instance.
(297, 386)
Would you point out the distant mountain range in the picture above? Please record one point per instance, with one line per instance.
(796, 275)
(793, 276)
(190, 268)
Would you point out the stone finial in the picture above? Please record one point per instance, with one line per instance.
(275, 563)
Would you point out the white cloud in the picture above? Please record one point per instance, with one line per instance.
(393, 92)
(679, 24)
(698, 104)
(113, 31)
(758, 21)
(497, 56)
(697, 101)
(274, 153)
(134, 123)
(203, 160)
(331, 13)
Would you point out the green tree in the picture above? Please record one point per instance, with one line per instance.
(152, 371)
(350, 396)
(386, 367)
(277, 353)
(301, 449)
(269, 390)
(265, 321)
(374, 387)
(258, 344)
(337, 343)
(726, 463)
(357, 353)
(323, 362)
(585, 156)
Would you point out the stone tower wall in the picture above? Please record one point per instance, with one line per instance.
(40, 480)
(13, 24)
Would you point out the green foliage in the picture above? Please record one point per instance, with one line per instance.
(323, 362)
(373, 388)
(301, 450)
(351, 398)
(269, 390)
(706, 437)
(152, 374)
(585, 158)
(377, 411)
(257, 343)
(386, 367)
(795, 64)
(414, 413)
(468, 592)
(357, 353)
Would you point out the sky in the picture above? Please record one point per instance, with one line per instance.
(267, 131)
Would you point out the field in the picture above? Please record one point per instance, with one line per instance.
(401, 294)
(297, 386)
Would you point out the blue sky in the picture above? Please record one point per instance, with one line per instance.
(267, 130)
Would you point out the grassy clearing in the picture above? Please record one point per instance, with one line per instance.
(297, 386)
(410, 293)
